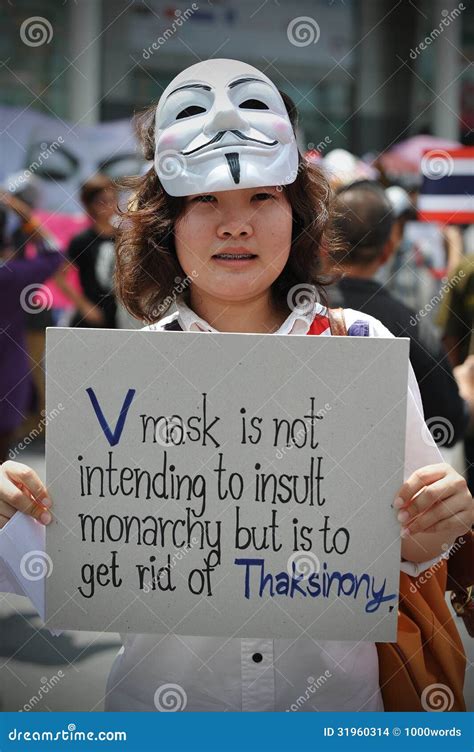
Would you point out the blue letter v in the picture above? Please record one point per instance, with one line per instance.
(112, 438)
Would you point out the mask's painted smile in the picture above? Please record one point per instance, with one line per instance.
(214, 142)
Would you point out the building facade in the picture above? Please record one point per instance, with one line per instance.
(364, 73)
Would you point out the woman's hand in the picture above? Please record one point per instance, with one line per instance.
(434, 507)
(21, 489)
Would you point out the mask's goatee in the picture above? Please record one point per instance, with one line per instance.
(234, 166)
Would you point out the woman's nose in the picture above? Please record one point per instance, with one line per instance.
(234, 229)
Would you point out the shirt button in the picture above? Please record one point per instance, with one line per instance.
(257, 657)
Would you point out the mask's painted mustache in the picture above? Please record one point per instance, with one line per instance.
(218, 137)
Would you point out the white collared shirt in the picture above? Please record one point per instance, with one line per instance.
(251, 674)
(298, 321)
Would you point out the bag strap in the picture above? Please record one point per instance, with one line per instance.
(337, 322)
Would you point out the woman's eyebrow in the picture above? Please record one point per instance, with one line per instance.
(189, 86)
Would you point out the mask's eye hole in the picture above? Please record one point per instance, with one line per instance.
(253, 104)
(192, 110)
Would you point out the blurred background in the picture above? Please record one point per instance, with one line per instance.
(379, 72)
(385, 92)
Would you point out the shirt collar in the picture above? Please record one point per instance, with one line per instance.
(297, 322)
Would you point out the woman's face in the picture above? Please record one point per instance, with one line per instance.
(255, 221)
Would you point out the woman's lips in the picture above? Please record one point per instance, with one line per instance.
(234, 259)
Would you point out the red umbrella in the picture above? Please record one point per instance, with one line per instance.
(405, 157)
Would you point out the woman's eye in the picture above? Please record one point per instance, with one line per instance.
(192, 110)
(253, 104)
(263, 196)
(204, 199)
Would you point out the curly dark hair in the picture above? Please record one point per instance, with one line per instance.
(147, 269)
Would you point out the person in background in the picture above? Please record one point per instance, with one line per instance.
(364, 222)
(39, 313)
(93, 253)
(457, 320)
(411, 275)
(457, 315)
(20, 278)
(457, 312)
(398, 273)
(465, 377)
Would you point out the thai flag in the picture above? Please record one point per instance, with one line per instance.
(447, 191)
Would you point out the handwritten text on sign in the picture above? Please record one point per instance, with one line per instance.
(225, 484)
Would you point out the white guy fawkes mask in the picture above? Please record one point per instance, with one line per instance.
(222, 125)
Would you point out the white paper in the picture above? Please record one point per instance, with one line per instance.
(357, 386)
(22, 547)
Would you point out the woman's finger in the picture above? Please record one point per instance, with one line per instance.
(453, 526)
(422, 477)
(440, 512)
(24, 476)
(445, 488)
(22, 501)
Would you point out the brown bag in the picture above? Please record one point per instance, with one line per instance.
(425, 668)
(427, 664)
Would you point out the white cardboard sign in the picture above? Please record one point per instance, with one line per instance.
(228, 484)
